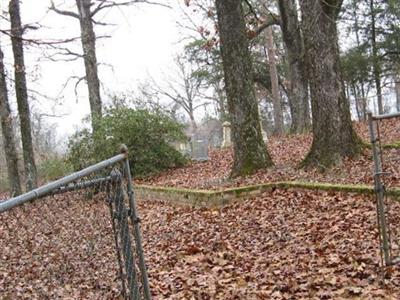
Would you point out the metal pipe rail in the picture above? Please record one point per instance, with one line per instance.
(380, 191)
(48, 188)
(82, 185)
(122, 231)
(386, 116)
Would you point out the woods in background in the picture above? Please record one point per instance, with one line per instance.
(285, 66)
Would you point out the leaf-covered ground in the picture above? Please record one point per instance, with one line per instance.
(287, 153)
(280, 245)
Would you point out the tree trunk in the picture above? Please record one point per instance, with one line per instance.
(276, 99)
(221, 102)
(298, 88)
(250, 152)
(193, 125)
(334, 137)
(357, 100)
(397, 89)
(88, 40)
(364, 102)
(22, 95)
(375, 59)
(10, 149)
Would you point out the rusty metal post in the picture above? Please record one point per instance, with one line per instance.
(135, 221)
(380, 194)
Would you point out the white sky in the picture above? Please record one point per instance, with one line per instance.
(142, 43)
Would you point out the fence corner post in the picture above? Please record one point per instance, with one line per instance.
(135, 221)
(123, 149)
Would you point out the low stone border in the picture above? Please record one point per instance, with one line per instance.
(205, 198)
(395, 145)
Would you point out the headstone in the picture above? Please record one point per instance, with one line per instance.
(227, 142)
(199, 148)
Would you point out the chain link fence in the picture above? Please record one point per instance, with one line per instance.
(387, 218)
(82, 240)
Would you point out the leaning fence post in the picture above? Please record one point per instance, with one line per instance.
(380, 193)
(123, 228)
(135, 221)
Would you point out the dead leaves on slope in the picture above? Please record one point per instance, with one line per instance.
(287, 153)
(280, 245)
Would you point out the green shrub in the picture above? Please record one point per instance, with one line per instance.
(54, 168)
(147, 135)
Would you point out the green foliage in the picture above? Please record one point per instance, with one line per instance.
(356, 65)
(358, 21)
(148, 136)
(54, 168)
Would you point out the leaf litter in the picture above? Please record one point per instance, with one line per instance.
(279, 245)
(287, 153)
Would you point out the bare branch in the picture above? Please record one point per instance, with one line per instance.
(103, 23)
(251, 8)
(79, 80)
(272, 19)
(39, 42)
(63, 12)
(68, 54)
(109, 4)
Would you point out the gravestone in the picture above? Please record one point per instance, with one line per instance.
(227, 142)
(199, 149)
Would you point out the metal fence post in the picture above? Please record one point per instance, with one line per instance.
(123, 228)
(135, 221)
(380, 193)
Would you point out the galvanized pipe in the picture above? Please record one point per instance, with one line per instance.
(123, 228)
(47, 188)
(81, 185)
(386, 116)
(380, 193)
(135, 222)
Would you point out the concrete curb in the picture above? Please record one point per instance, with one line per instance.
(206, 198)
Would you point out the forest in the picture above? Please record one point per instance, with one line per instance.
(261, 162)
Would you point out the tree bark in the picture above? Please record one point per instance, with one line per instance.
(375, 59)
(357, 101)
(88, 40)
(298, 88)
(363, 99)
(10, 149)
(334, 137)
(22, 95)
(250, 153)
(397, 90)
(276, 99)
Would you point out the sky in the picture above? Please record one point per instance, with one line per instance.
(142, 44)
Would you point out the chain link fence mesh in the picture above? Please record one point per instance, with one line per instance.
(79, 240)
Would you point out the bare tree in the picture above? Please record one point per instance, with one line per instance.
(276, 99)
(375, 57)
(10, 148)
(22, 95)
(185, 90)
(294, 44)
(250, 153)
(334, 137)
(88, 40)
(86, 11)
